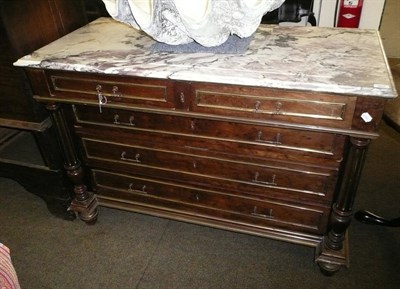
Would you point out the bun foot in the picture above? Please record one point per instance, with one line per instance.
(86, 210)
(328, 269)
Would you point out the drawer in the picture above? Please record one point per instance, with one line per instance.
(209, 203)
(210, 147)
(211, 137)
(273, 179)
(108, 90)
(274, 105)
(318, 143)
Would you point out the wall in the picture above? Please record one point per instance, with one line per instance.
(390, 29)
(370, 17)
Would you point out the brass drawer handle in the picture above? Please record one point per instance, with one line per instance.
(270, 183)
(135, 160)
(130, 123)
(276, 141)
(131, 120)
(278, 106)
(267, 215)
(116, 117)
(102, 99)
(115, 93)
(142, 191)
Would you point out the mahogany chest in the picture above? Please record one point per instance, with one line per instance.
(278, 159)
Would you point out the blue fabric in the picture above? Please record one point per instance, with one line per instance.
(233, 45)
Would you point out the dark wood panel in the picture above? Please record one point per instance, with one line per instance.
(117, 91)
(274, 180)
(263, 135)
(25, 26)
(274, 105)
(255, 151)
(368, 114)
(223, 204)
(39, 22)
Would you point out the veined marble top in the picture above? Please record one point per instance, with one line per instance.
(336, 60)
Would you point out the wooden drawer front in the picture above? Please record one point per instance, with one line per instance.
(103, 91)
(274, 105)
(210, 147)
(264, 137)
(279, 180)
(217, 204)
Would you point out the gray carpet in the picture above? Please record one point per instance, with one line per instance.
(127, 250)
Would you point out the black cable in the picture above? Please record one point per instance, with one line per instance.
(336, 11)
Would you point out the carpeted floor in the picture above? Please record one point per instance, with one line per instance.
(127, 250)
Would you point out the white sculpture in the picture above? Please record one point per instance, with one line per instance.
(208, 22)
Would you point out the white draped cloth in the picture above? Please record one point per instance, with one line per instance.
(208, 22)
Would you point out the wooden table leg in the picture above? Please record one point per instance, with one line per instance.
(84, 203)
(332, 252)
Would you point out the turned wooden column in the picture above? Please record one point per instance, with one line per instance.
(84, 203)
(332, 254)
(343, 207)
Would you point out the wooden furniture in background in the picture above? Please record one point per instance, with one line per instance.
(95, 9)
(24, 27)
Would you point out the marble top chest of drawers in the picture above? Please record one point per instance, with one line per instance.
(270, 142)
